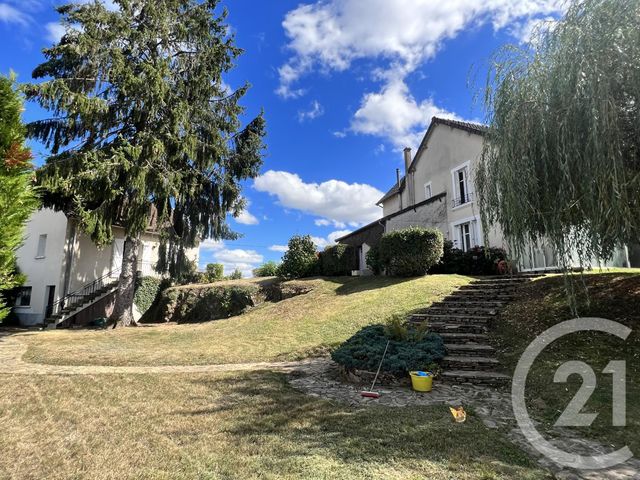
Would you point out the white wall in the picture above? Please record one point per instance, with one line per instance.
(42, 272)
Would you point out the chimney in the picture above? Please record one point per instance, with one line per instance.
(399, 192)
(407, 160)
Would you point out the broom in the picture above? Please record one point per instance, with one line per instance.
(370, 393)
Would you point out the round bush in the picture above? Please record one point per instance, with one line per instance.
(147, 290)
(301, 258)
(411, 251)
(364, 350)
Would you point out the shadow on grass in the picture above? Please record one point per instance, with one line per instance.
(349, 285)
(267, 411)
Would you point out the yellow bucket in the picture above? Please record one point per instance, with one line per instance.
(421, 383)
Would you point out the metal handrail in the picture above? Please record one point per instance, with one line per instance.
(78, 297)
(463, 200)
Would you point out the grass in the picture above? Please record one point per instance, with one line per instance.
(225, 426)
(615, 296)
(294, 328)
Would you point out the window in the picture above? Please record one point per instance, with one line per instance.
(42, 246)
(427, 191)
(24, 297)
(466, 237)
(462, 194)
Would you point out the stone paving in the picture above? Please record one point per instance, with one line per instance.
(492, 406)
(321, 377)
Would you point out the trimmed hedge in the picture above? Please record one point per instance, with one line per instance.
(201, 304)
(147, 290)
(476, 261)
(411, 251)
(338, 260)
(364, 350)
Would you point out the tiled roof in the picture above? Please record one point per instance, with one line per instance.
(475, 128)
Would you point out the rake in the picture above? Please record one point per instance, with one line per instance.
(370, 393)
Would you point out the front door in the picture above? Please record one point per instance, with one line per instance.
(51, 297)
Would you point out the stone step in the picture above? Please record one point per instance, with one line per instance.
(469, 349)
(470, 302)
(442, 328)
(479, 377)
(462, 310)
(466, 362)
(488, 288)
(448, 318)
(501, 280)
(464, 338)
(490, 295)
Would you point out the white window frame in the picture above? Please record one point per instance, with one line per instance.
(475, 232)
(455, 184)
(428, 185)
(41, 249)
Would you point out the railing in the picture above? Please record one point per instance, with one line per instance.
(466, 198)
(88, 292)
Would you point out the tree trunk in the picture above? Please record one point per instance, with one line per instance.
(123, 309)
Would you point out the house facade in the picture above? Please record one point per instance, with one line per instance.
(437, 190)
(59, 260)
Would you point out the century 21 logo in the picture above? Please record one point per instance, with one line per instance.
(572, 417)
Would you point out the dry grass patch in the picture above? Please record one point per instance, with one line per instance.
(291, 329)
(542, 304)
(244, 425)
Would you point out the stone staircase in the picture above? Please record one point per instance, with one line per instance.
(462, 319)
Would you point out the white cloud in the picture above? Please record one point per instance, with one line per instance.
(10, 14)
(331, 34)
(333, 200)
(528, 30)
(339, 134)
(323, 222)
(246, 218)
(394, 114)
(279, 248)
(315, 110)
(321, 242)
(243, 260)
(211, 245)
(55, 31)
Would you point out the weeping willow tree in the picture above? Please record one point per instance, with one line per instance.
(561, 164)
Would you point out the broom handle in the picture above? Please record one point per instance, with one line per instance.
(380, 366)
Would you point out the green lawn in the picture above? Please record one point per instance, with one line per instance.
(227, 426)
(291, 329)
(614, 296)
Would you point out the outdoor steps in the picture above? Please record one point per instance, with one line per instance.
(441, 328)
(476, 377)
(451, 338)
(469, 349)
(463, 310)
(469, 362)
(449, 318)
(489, 287)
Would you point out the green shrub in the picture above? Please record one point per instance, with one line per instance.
(213, 272)
(411, 251)
(373, 260)
(364, 351)
(338, 260)
(201, 304)
(268, 269)
(300, 260)
(235, 275)
(147, 291)
(476, 261)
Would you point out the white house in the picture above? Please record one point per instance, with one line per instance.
(66, 270)
(437, 190)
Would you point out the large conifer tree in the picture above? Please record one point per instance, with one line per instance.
(17, 196)
(142, 122)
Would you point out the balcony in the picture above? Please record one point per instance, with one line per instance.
(463, 200)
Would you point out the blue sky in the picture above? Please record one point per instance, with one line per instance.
(344, 84)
